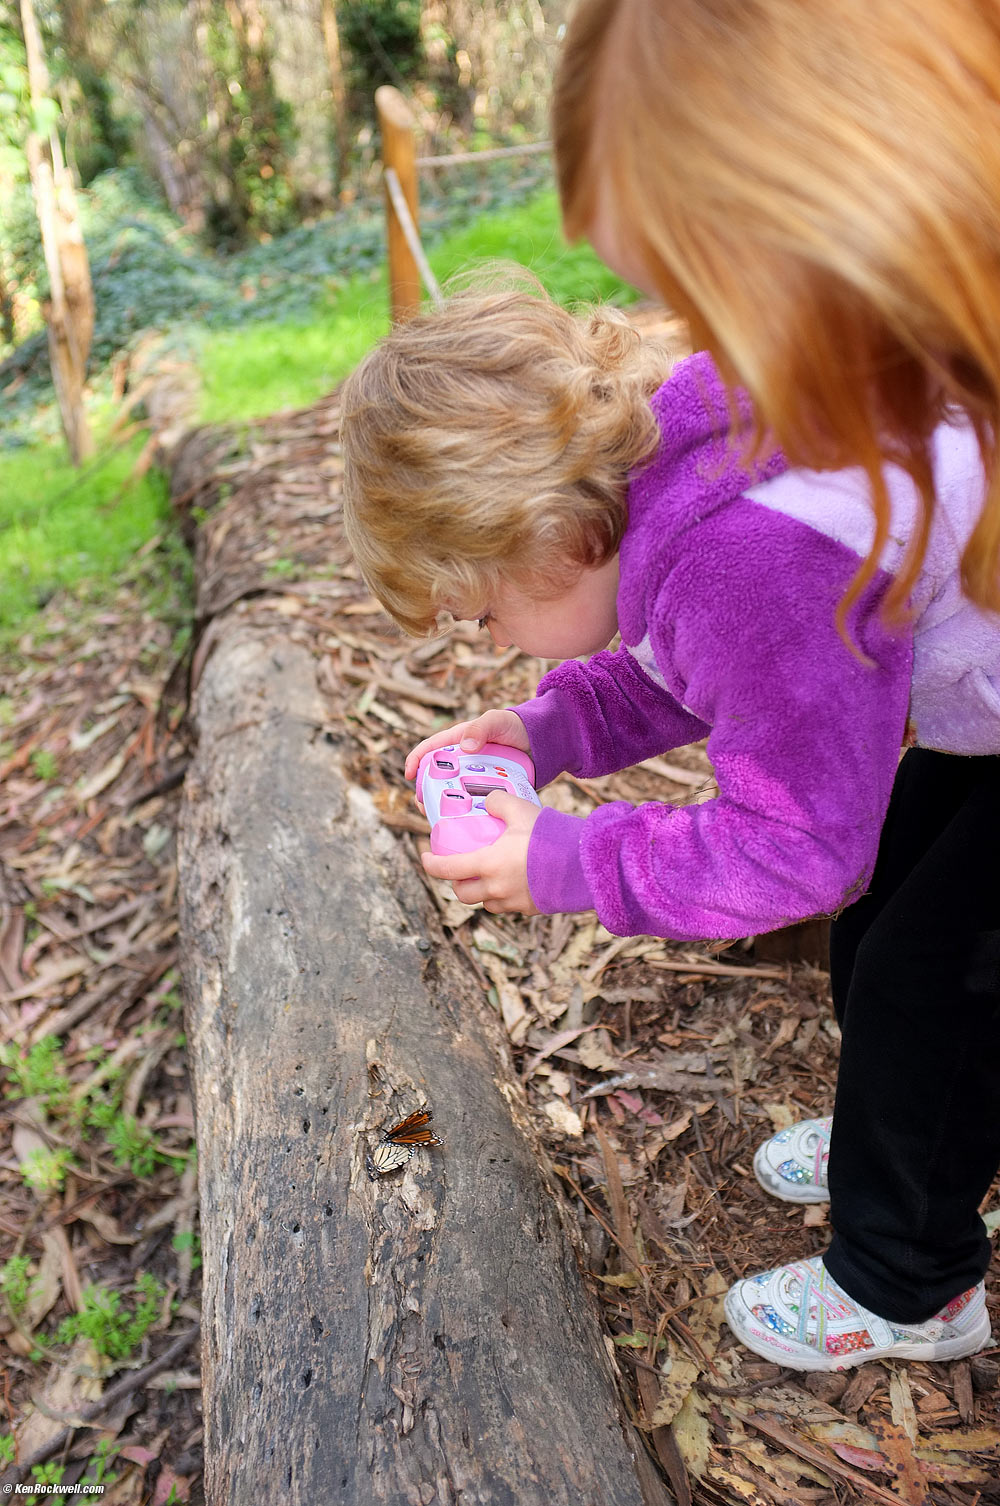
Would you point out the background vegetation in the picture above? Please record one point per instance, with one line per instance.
(226, 167)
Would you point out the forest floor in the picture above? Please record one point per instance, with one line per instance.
(98, 1200)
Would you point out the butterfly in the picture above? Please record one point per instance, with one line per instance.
(385, 1158)
(396, 1146)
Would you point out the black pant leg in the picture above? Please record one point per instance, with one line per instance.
(916, 1137)
(929, 789)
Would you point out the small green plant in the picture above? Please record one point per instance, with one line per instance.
(189, 1240)
(106, 1322)
(133, 1145)
(15, 1282)
(44, 1171)
(49, 1473)
(45, 1476)
(8, 1448)
(99, 1471)
(44, 763)
(167, 1011)
(100, 1112)
(282, 569)
(39, 1073)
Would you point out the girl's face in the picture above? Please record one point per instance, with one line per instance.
(582, 619)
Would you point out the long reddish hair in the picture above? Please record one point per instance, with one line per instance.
(816, 187)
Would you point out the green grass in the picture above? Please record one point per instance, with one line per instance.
(59, 526)
(264, 367)
(532, 236)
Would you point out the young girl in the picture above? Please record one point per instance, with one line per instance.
(816, 187)
(541, 472)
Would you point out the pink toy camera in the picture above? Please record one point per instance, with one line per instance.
(452, 787)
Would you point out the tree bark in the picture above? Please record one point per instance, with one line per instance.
(424, 1338)
(70, 313)
(338, 93)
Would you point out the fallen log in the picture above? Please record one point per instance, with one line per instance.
(426, 1337)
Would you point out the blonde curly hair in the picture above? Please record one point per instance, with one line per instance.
(489, 441)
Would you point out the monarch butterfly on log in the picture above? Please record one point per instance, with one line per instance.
(385, 1158)
(396, 1146)
(411, 1131)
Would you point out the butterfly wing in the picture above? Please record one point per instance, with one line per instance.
(386, 1157)
(412, 1131)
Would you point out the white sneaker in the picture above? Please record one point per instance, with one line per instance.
(792, 1164)
(799, 1317)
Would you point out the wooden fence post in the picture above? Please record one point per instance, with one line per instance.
(399, 152)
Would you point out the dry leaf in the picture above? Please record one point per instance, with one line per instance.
(744, 1490)
(597, 1052)
(564, 1119)
(101, 779)
(904, 1413)
(705, 1323)
(676, 1127)
(515, 1017)
(781, 1115)
(691, 1434)
(675, 1385)
(45, 1285)
(71, 1385)
(909, 1478)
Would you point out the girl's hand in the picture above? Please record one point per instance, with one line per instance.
(494, 876)
(492, 727)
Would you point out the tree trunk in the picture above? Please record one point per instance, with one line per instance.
(70, 312)
(8, 331)
(423, 1338)
(250, 33)
(338, 93)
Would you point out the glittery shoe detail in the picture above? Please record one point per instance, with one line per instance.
(792, 1164)
(797, 1316)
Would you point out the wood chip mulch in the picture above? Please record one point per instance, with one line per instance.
(98, 1189)
(653, 1069)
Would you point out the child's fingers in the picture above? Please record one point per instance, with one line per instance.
(454, 866)
(440, 739)
(512, 810)
(482, 730)
(494, 876)
(493, 726)
(470, 734)
(469, 891)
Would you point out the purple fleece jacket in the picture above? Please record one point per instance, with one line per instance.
(726, 610)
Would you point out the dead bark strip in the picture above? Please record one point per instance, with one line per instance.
(69, 312)
(425, 1338)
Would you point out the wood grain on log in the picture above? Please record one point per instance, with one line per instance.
(425, 1338)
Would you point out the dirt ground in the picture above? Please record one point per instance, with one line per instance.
(654, 1069)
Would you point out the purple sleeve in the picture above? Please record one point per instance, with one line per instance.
(805, 741)
(605, 715)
